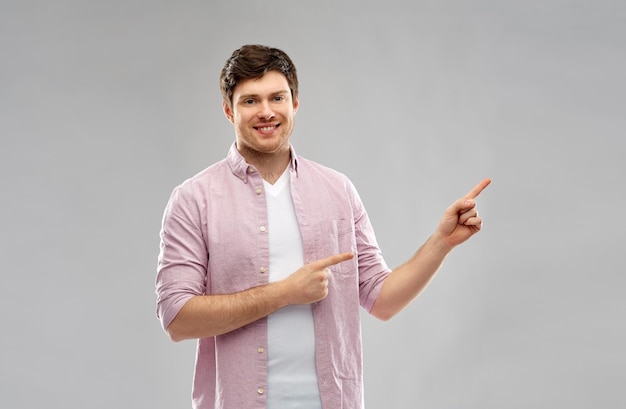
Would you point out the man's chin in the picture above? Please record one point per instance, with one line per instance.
(264, 147)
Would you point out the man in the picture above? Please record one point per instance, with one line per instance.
(265, 257)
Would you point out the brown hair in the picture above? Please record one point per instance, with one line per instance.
(253, 61)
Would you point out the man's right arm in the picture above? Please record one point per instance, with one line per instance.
(210, 315)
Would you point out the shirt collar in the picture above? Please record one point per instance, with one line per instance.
(241, 168)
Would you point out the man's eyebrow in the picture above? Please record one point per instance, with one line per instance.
(281, 92)
(243, 96)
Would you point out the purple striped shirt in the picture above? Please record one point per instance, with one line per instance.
(214, 240)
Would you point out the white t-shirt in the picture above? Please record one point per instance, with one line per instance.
(292, 378)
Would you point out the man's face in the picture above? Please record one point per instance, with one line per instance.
(263, 114)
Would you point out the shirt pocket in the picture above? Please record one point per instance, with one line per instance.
(334, 237)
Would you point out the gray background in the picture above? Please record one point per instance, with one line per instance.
(107, 105)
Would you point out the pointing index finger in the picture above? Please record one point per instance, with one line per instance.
(332, 260)
(478, 188)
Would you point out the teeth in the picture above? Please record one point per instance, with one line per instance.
(266, 128)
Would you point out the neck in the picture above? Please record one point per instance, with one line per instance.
(269, 165)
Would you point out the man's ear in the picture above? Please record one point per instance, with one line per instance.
(228, 112)
(296, 104)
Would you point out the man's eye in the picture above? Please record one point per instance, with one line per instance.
(248, 101)
(279, 99)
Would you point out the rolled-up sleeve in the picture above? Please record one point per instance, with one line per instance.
(183, 256)
(373, 269)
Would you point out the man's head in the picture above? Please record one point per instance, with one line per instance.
(260, 98)
(252, 62)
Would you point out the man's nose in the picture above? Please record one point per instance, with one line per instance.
(265, 110)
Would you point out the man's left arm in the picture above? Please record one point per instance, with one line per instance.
(459, 222)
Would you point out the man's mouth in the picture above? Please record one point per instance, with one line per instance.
(266, 128)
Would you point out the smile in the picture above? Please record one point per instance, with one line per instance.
(266, 128)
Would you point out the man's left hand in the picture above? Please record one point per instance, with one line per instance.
(460, 220)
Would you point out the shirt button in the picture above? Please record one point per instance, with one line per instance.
(259, 190)
(262, 229)
(260, 350)
(260, 391)
(251, 169)
(262, 270)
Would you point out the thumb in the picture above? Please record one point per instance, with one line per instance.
(460, 206)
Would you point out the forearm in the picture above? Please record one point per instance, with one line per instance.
(408, 280)
(210, 315)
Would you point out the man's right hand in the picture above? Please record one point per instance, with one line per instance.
(310, 282)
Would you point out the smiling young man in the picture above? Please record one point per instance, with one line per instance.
(266, 257)
(262, 111)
